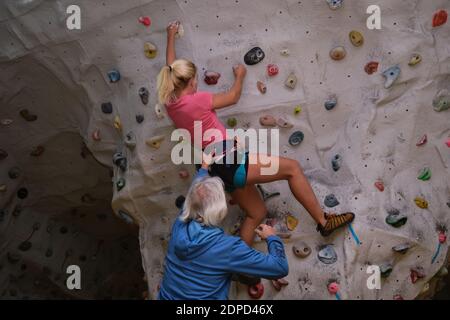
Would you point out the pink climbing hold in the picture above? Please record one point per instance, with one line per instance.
(333, 288)
(96, 135)
(422, 141)
(398, 297)
(184, 174)
(146, 21)
(439, 18)
(448, 142)
(416, 274)
(272, 70)
(256, 291)
(379, 185)
(442, 237)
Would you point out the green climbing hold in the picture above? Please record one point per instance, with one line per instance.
(232, 122)
(396, 219)
(441, 101)
(120, 184)
(425, 174)
(297, 110)
(415, 59)
(386, 270)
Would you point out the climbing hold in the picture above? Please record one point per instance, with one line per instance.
(335, 4)
(107, 107)
(448, 142)
(232, 122)
(211, 77)
(183, 174)
(14, 173)
(146, 21)
(398, 297)
(96, 135)
(415, 59)
(443, 272)
(37, 151)
(27, 115)
(87, 198)
(391, 74)
(421, 202)
(22, 193)
(296, 138)
(48, 252)
(256, 291)
(379, 185)
(331, 102)
(150, 50)
(117, 123)
(327, 254)
(114, 75)
(291, 222)
(125, 217)
(441, 101)
(279, 283)
(120, 184)
(155, 142)
(254, 56)
(261, 87)
(356, 38)
(158, 111)
(424, 174)
(291, 81)
(265, 194)
(144, 95)
(268, 121)
(284, 52)
(6, 122)
(439, 18)
(120, 160)
(401, 248)
(3, 154)
(301, 250)
(272, 70)
(179, 202)
(336, 162)
(331, 201)
(442, 237)
(297, 110)
(371, 67)
(385, 270)
(139, 118)
(13, 258)
(422, 141)
(283, 123)
(25, 246)
(416, 274)
(3, 188)
(338, 53)
(180, 32)
(396, 219)
(130, 140)
(333, 288)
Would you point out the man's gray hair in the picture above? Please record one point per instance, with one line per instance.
(205, 202)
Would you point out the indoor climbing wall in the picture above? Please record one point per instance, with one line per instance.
(364, 111)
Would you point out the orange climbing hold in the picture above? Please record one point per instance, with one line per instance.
(291, 222)
(439, 18)
(379, 185)
(146, 21)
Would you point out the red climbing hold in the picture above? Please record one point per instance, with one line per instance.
(184, 174)
(211, 77)
(333, 288)
(439, 18)
(371, 67)
(448, 142)
(272, 70)
(379, 185)
(417, 274)
(422, 141)
(146, 21)
(256, 291)
(442, 237)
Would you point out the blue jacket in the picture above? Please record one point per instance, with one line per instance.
(200, 261)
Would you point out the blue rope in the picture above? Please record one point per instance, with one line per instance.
(436, 253)
(354, 234)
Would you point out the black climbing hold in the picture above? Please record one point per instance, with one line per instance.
(139, 118)
(63, 230)
(327, 254)
(336, 162)
(13, 258)
(331, 103)
(120, 184)
(254, 56)
(49, 253)
(27, 115)
(265, 194)
(14, 173)
(3, 213)
(17, 211)
(296, 138)
(3, 154)
(107, 107)
(144, 95)
(25, 246)
(22, 193)
(331, 201)
(120, 160)
(179, 202)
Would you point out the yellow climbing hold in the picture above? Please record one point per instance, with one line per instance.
(155, 142)
(421, 202)
(297, 110)
(150, 50)
(117, 123)
(356, 38)
(291, 222)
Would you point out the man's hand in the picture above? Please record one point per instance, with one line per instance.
(208, 159)
(239, 71)
(172, 29)
(264, 231)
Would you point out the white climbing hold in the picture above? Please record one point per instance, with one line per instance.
(158, 111)
(285, 52)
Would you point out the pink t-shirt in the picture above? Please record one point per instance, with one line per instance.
(195, 107)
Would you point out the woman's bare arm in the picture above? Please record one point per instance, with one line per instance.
(172, 29)
(232, 96)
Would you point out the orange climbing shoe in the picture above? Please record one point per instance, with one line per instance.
(335, 222)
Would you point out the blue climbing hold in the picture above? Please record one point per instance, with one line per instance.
(296, 138)
(335, 4)
(391, 74)
(114, 75)
(331, 201)
(336, 162)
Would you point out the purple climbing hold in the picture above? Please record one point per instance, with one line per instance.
(336, 162)
(254, 56)
(114, 75)
(107, 107)
(331, 201)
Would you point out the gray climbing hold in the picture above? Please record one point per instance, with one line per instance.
(265, 194)
(139, 118)
(331, 201)
(441, 101)
(391, 75)
(107, 107)
(336, 162)
(401, 248)
(331, 102)
(301, 250)
(114, 75)
(130, 140)
(144, 95)
(120, 184)
(254, 56)
(335, 4)
(385, 270)
(3, 154)
(27, 115)
(14, 173)
(291, 81)
(22, 193)
(120, 160)
(396, 219)
(327, 254)
(338, 53)
(125, 217)
(296, 138)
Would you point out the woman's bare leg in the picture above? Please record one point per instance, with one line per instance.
(251, 202)
(291, 171)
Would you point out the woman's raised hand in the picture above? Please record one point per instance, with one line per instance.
(172, 28)
(239, 71)
(264, 231)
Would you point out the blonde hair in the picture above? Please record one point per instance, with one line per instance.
(174, 77)
(205, 202)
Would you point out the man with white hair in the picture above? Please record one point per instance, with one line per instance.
(201, 258)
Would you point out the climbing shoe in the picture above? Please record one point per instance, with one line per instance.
(245, 279)
(334, 222)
